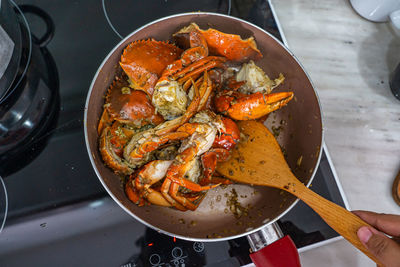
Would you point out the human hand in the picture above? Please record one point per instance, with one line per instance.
(384, 248)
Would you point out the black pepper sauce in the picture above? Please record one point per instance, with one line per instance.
(234, 205)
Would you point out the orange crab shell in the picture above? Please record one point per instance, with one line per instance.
(230, 137)
(231, 46)
(109, 156)
(241, 106)
(144, 61)
(132, 107)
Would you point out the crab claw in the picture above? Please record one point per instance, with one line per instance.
(228, 138)
(144, 61)
(132, 193)
(231, 46)
(240, 106)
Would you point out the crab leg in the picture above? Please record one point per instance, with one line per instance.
(155, 197)
(219, 180)
(180, 202)
(240, 106)
(205, 91)
(206, 87)
(149, 174)
(209, 161)
(173, 192)
(174, 179)
(154, 142)
(186, 85)
(198, 50)
(180, 166)
(198, 67)
(133, 194)
(165, 192)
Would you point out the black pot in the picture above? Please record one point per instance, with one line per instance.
(29, 108)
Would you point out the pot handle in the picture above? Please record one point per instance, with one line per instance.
(48, 35)
(272, 249)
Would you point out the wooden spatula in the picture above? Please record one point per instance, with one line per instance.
(262, 163)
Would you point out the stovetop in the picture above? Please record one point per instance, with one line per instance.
(84, 34)
(61, 175)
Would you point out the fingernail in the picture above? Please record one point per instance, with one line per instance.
(364, 234)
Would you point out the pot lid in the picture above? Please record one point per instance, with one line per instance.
(10, 46)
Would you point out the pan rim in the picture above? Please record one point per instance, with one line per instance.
(138, 218)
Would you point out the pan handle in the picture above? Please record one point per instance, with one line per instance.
(272, 249)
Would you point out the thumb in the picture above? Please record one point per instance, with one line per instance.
(385, 249)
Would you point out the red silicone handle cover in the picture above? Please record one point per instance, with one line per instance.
(281, 253)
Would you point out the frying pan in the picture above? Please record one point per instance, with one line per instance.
(299, 126)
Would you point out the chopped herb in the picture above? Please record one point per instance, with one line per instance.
(234, 205)
(276, 130)
(299, 160)
(125, 90)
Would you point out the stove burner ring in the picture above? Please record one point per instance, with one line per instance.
(121, 37)
(108, 19)
(6, 204)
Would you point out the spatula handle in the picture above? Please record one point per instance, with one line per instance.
(341, 220)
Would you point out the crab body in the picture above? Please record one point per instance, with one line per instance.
(144, 61)
(157, 126)
(230, 46)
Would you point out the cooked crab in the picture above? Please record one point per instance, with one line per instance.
(144, 61)
(247, 95)
(255, 80)
(157, 125)
(183, 181)
(141, 146)
(170, 96)
(230, 46)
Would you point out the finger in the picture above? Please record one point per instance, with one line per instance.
(387, 223)
(382, 247)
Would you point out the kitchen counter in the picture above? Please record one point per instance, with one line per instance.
(349, 60)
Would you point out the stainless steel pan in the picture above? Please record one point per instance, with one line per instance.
(301, 137)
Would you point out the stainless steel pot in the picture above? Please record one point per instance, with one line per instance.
(302, 137)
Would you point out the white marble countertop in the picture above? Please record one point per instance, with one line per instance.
(349, 60)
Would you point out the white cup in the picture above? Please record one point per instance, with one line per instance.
(376, 10)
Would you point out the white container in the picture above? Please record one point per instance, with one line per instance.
(375, 10)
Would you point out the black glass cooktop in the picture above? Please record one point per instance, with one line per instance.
(85, 32)
(61, 174)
